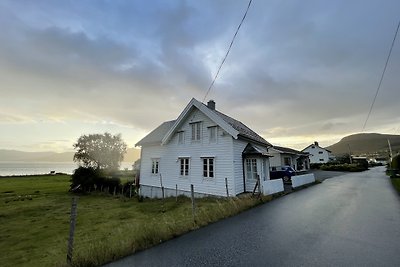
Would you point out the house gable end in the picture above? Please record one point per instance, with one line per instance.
(194, 104)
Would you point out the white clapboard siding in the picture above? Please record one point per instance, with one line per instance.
(238, 147)
(170, 153)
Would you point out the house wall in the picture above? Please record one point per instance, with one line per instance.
(238, 147)
(275, 160)
(317, 154)
(278, 159)
(169, 154)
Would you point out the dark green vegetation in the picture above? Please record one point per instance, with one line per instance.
(343, 167)
(367, 143)
(396, 183)
(34, 222)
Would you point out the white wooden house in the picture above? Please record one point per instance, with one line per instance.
(318, 154)
(203, 147)
(284, 156)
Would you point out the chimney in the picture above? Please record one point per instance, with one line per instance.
(316, 143)
(211, 104)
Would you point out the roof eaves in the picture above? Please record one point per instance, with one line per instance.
(217, 119)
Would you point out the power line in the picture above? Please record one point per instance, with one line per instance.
(383, 74)
(226, 55)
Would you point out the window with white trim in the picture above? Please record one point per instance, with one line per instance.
(196, 131)
(181, 137)
(287, 161)
(155, 164)
(212, 132)
(184, 166)
(251, 169)
(208, 167)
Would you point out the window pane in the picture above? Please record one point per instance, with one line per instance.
(193, 131)
(211, 167)
(198, 131)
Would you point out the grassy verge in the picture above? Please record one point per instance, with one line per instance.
(34, 222)
(396, 183)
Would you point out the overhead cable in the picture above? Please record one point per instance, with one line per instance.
(226, 55)
(383, 74)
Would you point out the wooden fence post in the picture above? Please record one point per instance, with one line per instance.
(226, 185)
(193, 204)
(176, 192)
(130, 190)
(74, 213)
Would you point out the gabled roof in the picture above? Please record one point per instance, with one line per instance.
(235, 128)
(251, 149)
(242, 129)
(156, 136)
(287, 150)
(316, 146)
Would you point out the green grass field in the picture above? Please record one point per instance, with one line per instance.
(35, 214)
(396, 183)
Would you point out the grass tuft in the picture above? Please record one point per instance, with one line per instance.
(34, 222)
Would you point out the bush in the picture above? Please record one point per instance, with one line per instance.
(91, 179)
(344, 167)
(85, 177)
(315, 166)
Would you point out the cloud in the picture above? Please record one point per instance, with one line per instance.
(295, 69)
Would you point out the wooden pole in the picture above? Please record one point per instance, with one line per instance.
(74, 213)
(193, 204)
(176, 192)
(130, 190)
(226, 185)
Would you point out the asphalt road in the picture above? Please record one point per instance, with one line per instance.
(349, 220)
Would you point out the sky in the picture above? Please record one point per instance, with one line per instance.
(298, 71)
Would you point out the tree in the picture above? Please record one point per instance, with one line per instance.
(100, 151)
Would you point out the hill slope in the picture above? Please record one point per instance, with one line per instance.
(366, 143)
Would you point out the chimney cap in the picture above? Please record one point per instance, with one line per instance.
(211, 104)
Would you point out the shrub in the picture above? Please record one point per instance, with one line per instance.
(91, 179)
(84, 177)
(344, 167)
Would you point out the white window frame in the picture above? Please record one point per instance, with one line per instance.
(185, 163)
(181, 137)
(289, 159)
(155, 166)
(212, 136)
(196, 131)
(208, 167)
(252, 163)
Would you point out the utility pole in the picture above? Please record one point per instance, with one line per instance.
(390, 154)
(351, 160)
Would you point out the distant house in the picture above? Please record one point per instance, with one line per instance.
(203, 147)
(318, 154)
(284, 156)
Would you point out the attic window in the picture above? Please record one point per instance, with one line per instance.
(196, 131)
(212, 131)
(181, 137)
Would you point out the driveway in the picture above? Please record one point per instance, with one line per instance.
(349, 220)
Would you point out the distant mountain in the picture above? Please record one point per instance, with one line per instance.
(366, 143)
(14, 155)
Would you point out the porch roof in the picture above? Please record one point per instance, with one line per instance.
(252, 149)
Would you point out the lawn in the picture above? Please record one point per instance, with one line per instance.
(35, 214)
(396, 183)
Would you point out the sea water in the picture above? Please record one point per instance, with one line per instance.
(8, 168)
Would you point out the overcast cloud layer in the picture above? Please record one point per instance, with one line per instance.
(299, 71)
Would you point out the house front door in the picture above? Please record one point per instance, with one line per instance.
(254, 167)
